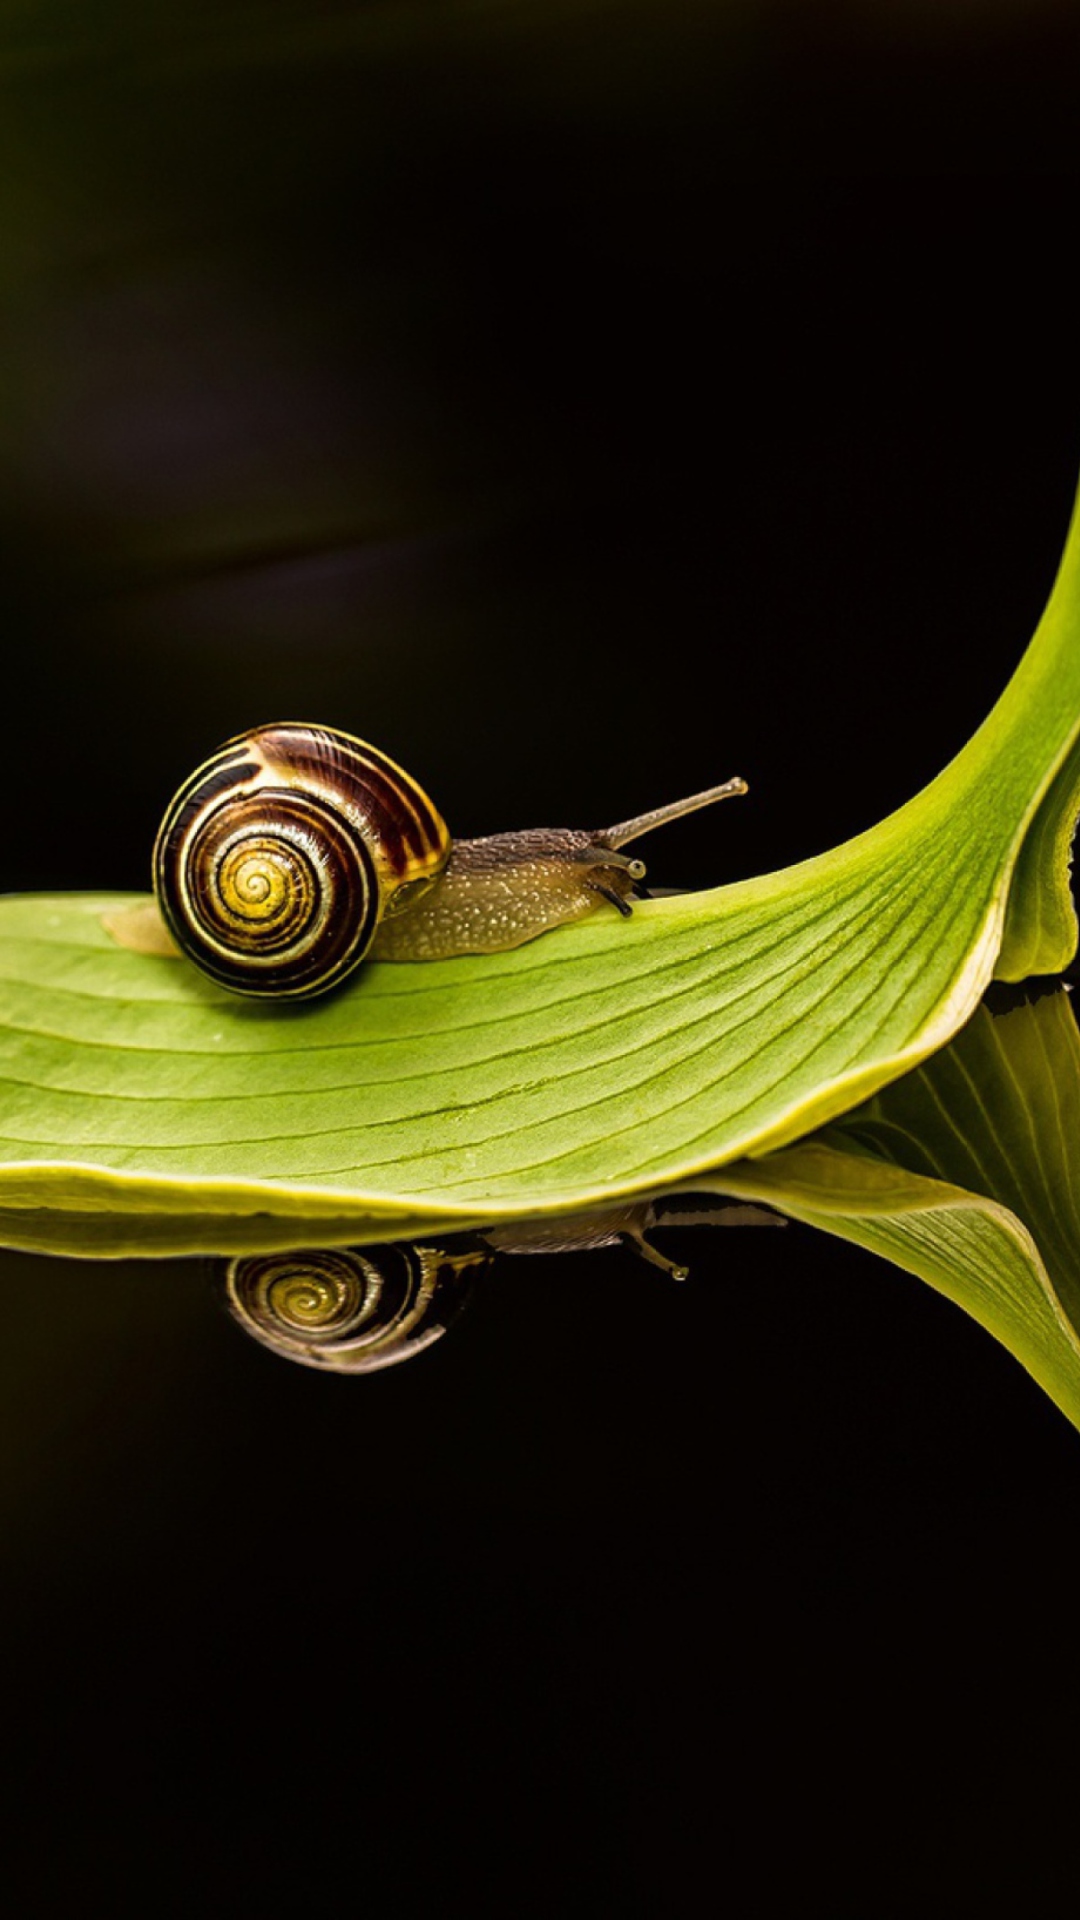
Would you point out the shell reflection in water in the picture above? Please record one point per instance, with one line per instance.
(351, 1310)
(354, 1309)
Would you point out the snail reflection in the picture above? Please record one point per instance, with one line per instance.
(358, 1309)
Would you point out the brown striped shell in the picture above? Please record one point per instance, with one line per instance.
(278, 858)
(352, 1309)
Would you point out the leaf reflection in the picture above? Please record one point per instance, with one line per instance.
(965, 1172)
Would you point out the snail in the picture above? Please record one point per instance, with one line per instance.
(357, 1309)
(352, 1309)
(296, 850)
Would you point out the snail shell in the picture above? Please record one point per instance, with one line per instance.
(352, 1310)
(279, 857)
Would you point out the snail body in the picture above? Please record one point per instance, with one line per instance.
(296, 850)
(507, 888)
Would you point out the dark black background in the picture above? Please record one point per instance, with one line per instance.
(584, 402)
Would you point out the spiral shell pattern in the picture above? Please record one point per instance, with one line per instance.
(278, 858)
(351, 1310)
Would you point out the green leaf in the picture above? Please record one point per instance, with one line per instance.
(141, 1108)
(967, 1173)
